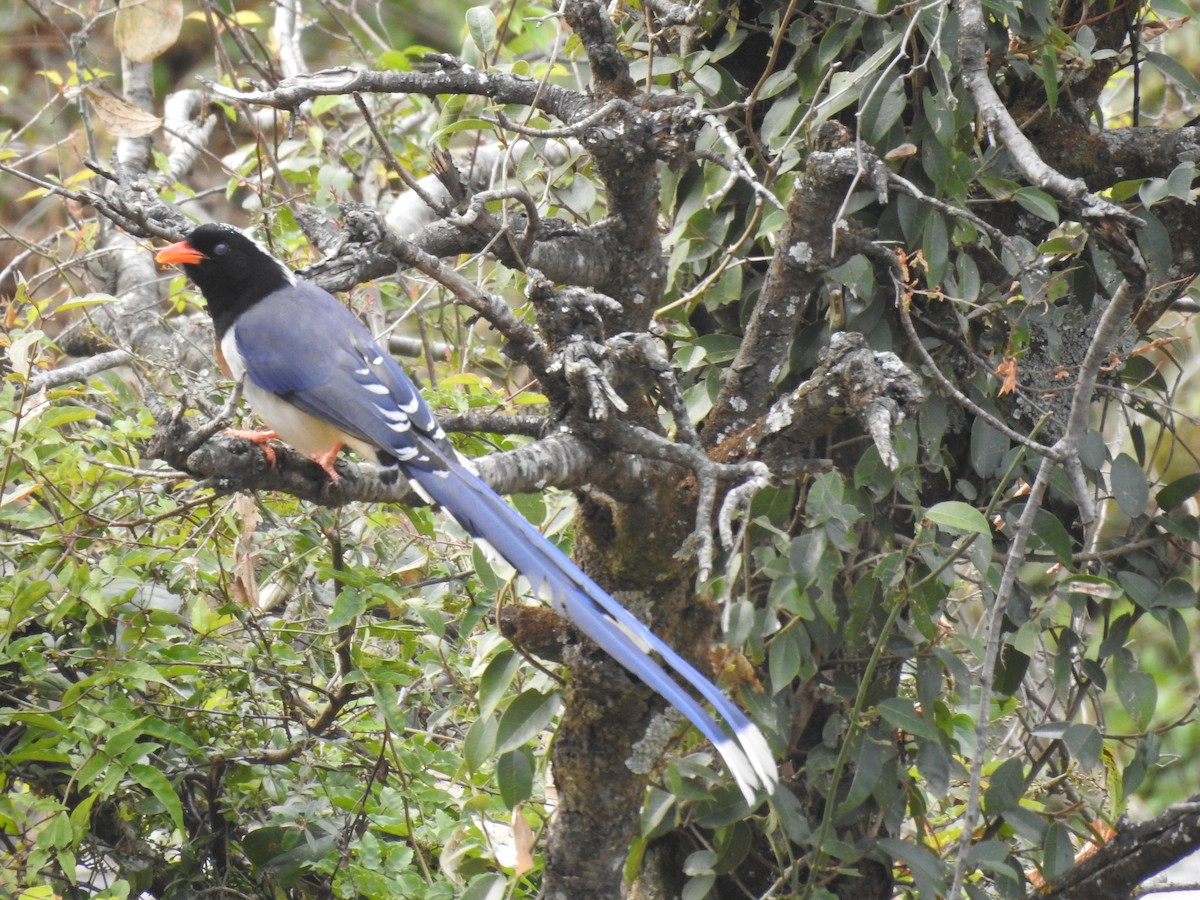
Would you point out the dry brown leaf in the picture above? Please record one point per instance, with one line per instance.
(245, 567)
(119, 118)
(1007, 369)
(523, 840)
(147, 28)
(1152, 30)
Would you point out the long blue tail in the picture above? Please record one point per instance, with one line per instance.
(483, 513)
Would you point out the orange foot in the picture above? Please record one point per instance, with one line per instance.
(261, 438)
(325, 460)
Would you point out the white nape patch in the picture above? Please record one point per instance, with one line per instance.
(375, 388)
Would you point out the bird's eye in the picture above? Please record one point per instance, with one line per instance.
(220, 249)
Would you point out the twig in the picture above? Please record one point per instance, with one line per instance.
(441, 207)
(902, 306)
(576, 128)
(79, 371)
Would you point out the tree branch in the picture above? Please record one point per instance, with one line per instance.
(1138, 851)
(450, 76)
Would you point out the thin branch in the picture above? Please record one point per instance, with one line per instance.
(903, 307)
(1005, 131)
(451, 76)
(79, 371)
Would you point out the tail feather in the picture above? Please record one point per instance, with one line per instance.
(483, 513)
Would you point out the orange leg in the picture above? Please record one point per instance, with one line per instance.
(261, 438)
(325, 460)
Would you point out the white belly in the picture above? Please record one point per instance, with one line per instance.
(308, 434)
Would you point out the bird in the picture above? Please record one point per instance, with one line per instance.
(315, 375)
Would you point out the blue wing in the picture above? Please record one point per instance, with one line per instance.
(337, 373)
(301, 344)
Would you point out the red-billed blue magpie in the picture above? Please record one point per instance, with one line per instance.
(320, 381)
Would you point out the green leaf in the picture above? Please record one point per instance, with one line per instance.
(480, 743)
(1136, 690)
(495, 680)
(122, 737)
(1175, 71)
(1010, 670)
(486, 887)
(959, 517)
(1145, 757)
(1084, 743)
(65, 415)
(264, 846)
(1058, 853)
(1140, 589)
(164, 792)
(93, 299)
(698, 888)
(1129, 485)
(655, 821)
(886, 105)
(393, 61)
(699, 862)
(1178, 491)
(481, 25)
(1050, 75)
(349, 605)
(1172, 9)
(868, 769)
(996, 857)
(928, 870)
(134, 671)
(514, 774)
(1123, 190)
(784, 659)
(1005, 787)
(901, 713)
(387, 701)
(933, 762)
(845, 87)
(525, 718)
(1037, 202)
(988, 447)
(1180, 632)
(1054, 535)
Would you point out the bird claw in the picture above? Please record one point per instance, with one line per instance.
(261, 438)
(326, 460)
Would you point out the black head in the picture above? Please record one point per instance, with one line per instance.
(232, 271)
